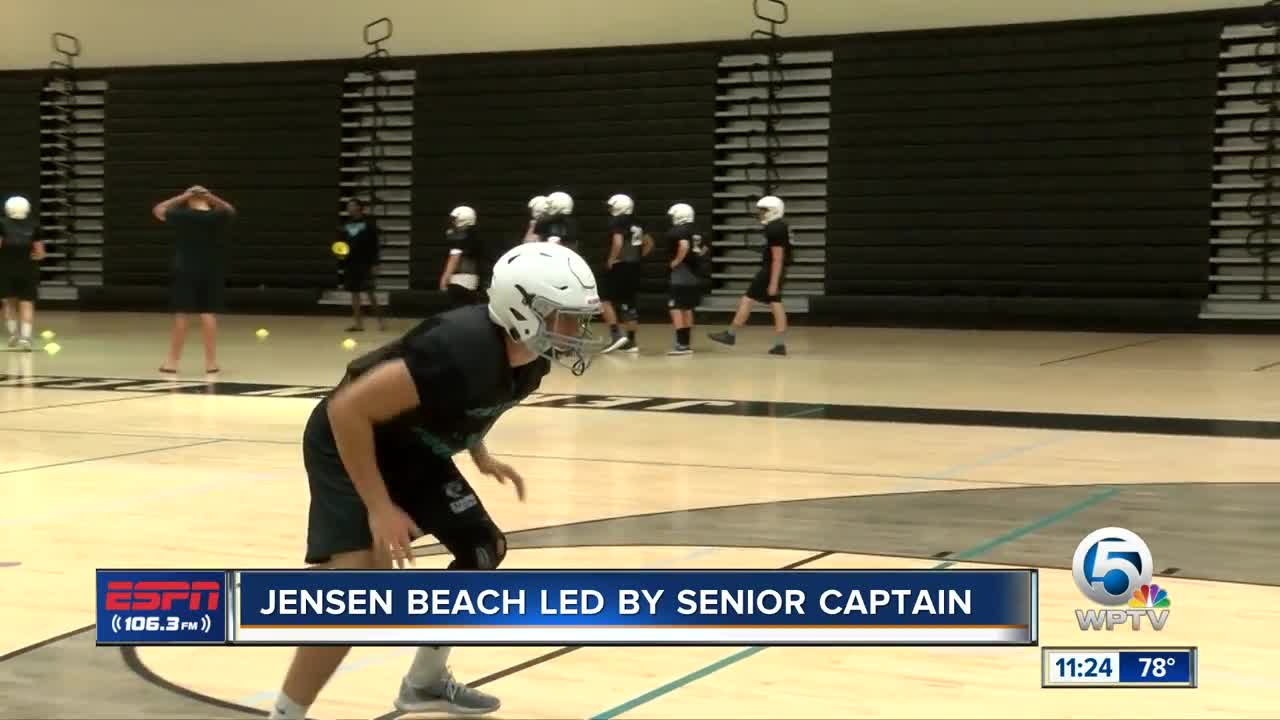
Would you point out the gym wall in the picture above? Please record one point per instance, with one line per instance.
(158, 32)
(20, 135)
(1056, 173)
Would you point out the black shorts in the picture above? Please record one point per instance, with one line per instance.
(461, 297)
(19, 280)
(759, 290)
(358, 278)
(621, 284)
(685, 297)
(437, 497)
(198, 293)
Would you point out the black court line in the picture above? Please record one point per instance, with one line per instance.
(1104, 351)
(47, 641)
(108, 457)
(561, 652)
(1266, 367)
(795, 412)
(139, 668)
(66, 405)
(150, 436)
(611, 461)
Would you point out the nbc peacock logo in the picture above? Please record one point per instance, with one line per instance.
(1149, 596)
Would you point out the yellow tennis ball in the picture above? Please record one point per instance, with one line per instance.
(349, 344)
(48, 335)
(52, 348)
(262, 333)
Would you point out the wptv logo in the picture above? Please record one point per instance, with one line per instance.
(1113, 568)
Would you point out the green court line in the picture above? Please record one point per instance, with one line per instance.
(972, 552)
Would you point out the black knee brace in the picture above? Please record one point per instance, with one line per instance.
(480, 548)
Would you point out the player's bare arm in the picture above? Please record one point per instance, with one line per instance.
(383, 393)
(682, 250)
(218, 202)
(615, 249)
(500, 471)
(164, 207)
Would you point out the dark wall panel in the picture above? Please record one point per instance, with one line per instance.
(266, 138)
(494, 131)
(1067, 161)
(20, 137)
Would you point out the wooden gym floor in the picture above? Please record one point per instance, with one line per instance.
(865, 448)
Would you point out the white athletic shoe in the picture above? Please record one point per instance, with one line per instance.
(13, 341)
(24, 345)
(680, 350)
(619, 343)
(446, 695)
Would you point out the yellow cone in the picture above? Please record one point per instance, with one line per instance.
(348, 344)
(341, 249)
(52, 348)
(262, 333)
(48, 335)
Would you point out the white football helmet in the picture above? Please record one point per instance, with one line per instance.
(545, 296)
(17, 208)
(680, 214)
(771, 208)
(621, 205)
(538, 207)
(462, 217)
(559, 203)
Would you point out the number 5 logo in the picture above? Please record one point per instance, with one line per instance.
(1110, 564)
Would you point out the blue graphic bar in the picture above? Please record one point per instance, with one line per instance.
(612, 607)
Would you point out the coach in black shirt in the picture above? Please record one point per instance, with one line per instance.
(199, 220)
(360, 233)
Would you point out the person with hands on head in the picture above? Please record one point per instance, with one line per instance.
(199, 220)
(379, 450)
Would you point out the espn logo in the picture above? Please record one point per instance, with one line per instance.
(161, 594)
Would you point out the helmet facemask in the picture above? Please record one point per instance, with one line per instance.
(564, 334)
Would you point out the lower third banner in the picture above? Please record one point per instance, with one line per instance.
(802, 607)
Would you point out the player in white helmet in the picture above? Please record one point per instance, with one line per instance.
(466, 272)
(620, 282)
(558, 226)
(767, 285)
(379, 451)
(537, 211)
(20, 253)
(688, 257)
